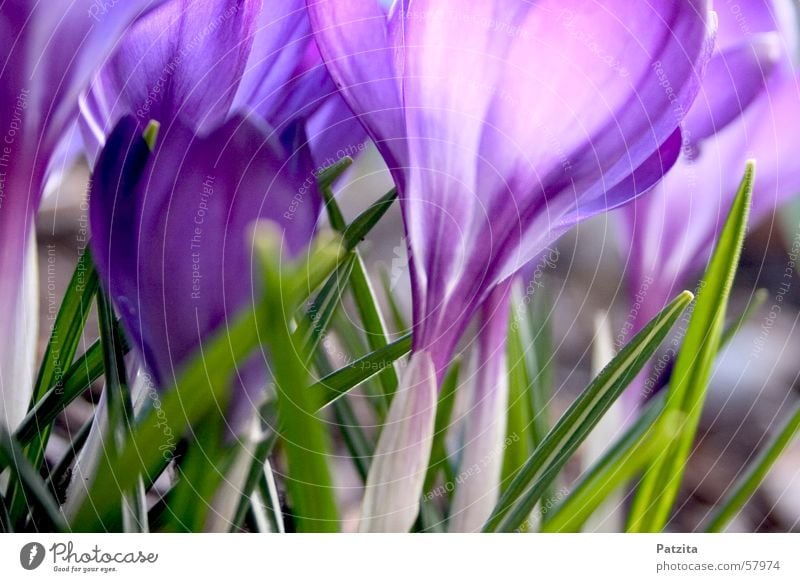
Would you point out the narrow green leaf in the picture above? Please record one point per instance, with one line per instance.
(541, 367)
(334, 385)
(202, 385)
(366, 302)
(78, 379)
(262, 450)
(519, 423)
(359, 447)
(689, 380)
(517, 502)
(37, 498)
(398, 319)
(5, 520)
(267, 491)
(360, 227)
(605, 477)
(56, 477)
(61, 347)
(312, 328)
(63, 343)
(329, 175)
(120, 410)
(353, 342)
(200, 472)
(302, 433)
(68, 327)
(759, 468)
(374, 326)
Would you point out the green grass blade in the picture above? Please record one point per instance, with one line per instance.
(517, 502)
(200, 388)
(68, 327)
(541, 366)
(313, 326)
(359, 447)
(78, 379)
(340, 382)
(329, 175)
(59, 353)
(605, 477)
(5, 519)
(519, 346)
(56, 477)
(366, 302)
(689, 380)
(262, 450)
(374, 325)
(268, 492)
(120, 409)
(747, 486)
(398, 319)
(200, 471)
(37, 499)
(360, 227)
(303, 435)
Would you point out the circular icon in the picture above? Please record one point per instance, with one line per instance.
(31, 555)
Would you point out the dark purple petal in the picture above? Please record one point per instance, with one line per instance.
(173, 245)
(183, 61)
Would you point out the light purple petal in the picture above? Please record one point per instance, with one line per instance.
(485, 430)
(501, 119)
(400, 462)
(733, 79)
(182, 61)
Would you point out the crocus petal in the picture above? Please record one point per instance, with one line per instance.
(281, 39)
(734, 78)
(18, 347)
(442, 88)
(183, 61)
(669, 234)
(66, 43)
(170, 231)
(485, 430)
(50, 52)
(355, 41)
(400, 461)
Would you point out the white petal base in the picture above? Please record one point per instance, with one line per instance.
(395, 480)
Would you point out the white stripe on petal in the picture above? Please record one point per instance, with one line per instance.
(18, 344)
(395, 480)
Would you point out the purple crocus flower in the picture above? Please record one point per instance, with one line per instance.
(746, 109)
(199, 61)
(485, 421)
(171, 232)
(504, 123)
(50, 50)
